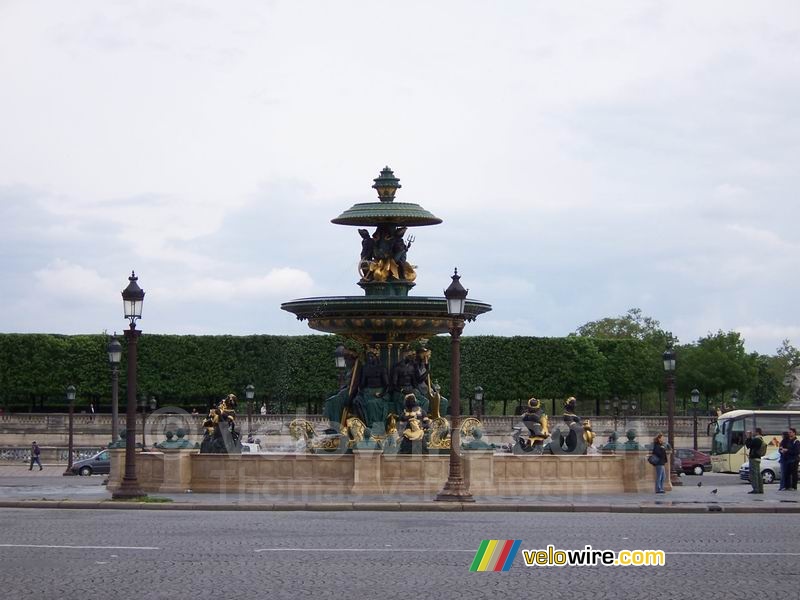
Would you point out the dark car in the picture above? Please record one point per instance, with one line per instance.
(693, 462)
(99, 464)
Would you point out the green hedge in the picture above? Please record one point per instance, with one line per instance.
(298, 372)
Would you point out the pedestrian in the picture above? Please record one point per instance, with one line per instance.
(758, 448)
(35, 452)
(263, 409)
(91, 411)
(659, 462)
(783, 446)
(789, 459)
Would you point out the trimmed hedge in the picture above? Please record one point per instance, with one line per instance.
(292, 371)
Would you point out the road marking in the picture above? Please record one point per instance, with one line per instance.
(362, 550)
(80, 547)
(437, 550)
(736, 553)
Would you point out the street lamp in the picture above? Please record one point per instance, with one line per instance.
(249, 394)
(669, 369)
(456, 489)
(114, 350)
(143, 403)
(734, 398)
(625, 406)
(615, 404)
(695, 402)
(479, 400)
(132, 300)
(71, 400)
(341, 363)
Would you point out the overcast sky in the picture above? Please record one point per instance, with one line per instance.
(586, 158)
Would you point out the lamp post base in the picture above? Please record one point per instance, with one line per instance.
(128, 491)
(68, 473)
(454, 491)
(674, 477)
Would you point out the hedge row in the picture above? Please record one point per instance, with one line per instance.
(290, 370)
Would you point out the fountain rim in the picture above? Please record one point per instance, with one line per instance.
(433, 306)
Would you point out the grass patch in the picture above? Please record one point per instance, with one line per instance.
(144, 500)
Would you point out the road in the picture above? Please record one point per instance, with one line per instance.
(77, 554)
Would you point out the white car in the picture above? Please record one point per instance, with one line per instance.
(770, 468)
(251, 448)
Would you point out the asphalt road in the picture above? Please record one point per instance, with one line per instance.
(83, 555)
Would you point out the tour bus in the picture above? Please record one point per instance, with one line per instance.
(727, 446)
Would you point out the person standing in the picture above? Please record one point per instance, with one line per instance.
(783, 447)
(35, 453)
(790, 458)
(660, 452)
(757, 448)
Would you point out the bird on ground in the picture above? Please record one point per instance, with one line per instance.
(714, 491)
(699, 484)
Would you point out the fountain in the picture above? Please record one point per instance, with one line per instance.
(390, 372)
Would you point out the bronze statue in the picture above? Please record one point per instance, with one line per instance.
(383, 255)
(535, 420)
(412, 440)
(369, 404)
(569, 438)
(221, 436)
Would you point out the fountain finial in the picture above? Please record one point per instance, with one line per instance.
(386, 185)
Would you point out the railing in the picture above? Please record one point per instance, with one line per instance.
(276, 423)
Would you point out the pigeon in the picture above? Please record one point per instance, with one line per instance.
(714, 491)
(699, 484)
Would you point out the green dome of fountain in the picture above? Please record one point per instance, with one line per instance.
(386, 211)
(386, 314)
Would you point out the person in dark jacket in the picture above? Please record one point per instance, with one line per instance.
(789, 459)
(756, 446)
(35, 452)
(660, 452)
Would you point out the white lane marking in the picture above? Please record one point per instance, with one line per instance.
(736, 553)
(669, 552)
(361, 550)
(80, 547)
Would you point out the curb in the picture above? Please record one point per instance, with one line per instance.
(402, 507)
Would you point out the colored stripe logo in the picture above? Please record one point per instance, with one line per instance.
(495, 555)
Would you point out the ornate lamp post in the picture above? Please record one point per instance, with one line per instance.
(338, 357)
(479, 400)
(625, 408)
(249, 394)
(114, 350)
(456, 489)
(669, 369)
(734, 398)
(132, 300)
(695, 402)
(71, 400)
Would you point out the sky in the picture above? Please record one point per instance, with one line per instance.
(585, 157)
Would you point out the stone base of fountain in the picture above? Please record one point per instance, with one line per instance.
(371, 472)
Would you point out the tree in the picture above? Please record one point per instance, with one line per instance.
(716, 364)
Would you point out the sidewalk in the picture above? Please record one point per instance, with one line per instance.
(21, 488)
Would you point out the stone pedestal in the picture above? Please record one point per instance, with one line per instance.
(177, 470)
(479, 470)
(367, 471)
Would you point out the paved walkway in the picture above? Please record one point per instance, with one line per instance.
(48, 488)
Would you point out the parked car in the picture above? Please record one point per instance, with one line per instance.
(770, 468)
(693, 462)
(99, 464)
(251, 448)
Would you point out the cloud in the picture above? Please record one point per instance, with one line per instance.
(66, 282)
(279, 284)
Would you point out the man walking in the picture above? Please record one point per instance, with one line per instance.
(757, 449)
(35, 452)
